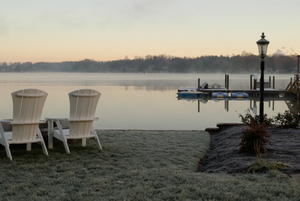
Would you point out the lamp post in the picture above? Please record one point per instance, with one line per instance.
(298, 82)
(262, 49)
(298, 71)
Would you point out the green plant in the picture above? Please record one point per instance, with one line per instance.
(288, 119)
(252, 119)
(254, 139)
(262, 166)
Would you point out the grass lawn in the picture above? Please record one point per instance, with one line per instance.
(134, 165)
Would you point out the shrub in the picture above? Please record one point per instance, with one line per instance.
(262, 166)
(288, 119)
(254, 139)
(252, 119)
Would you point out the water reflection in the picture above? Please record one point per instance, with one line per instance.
(136, 101)
(270, 103)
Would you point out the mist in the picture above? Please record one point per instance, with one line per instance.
(245, 63)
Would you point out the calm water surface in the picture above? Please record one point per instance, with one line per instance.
(137, 101)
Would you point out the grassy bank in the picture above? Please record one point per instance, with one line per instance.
(283, 147)
(134, 165)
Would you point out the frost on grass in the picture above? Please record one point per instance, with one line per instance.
(134, 165)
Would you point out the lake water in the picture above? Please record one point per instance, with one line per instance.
(137, 101)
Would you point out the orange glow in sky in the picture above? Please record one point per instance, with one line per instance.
(53, 30)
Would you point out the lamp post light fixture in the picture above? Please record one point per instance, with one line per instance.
(262, 49)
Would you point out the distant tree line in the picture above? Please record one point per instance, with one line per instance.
(153, 64)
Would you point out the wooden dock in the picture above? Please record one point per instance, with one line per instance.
(269, 92)
(290, 95)
(251, 92)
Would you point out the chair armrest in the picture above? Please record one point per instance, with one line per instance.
(53, 122)
(66, 119)
(12, 122)
(26, 123)
(54, 119)
(93, 119)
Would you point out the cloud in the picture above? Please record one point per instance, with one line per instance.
(279, 52)
(146, 7)
(3, 26)
(92, 15)
(284, 51)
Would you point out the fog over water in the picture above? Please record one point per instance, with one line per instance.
(135, 100)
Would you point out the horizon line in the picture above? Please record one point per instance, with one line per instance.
(145, 57)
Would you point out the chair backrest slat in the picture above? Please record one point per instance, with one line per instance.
(83, 104)
(27, 111)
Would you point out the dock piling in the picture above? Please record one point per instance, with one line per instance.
(251, 80)
(255, 84)
(273, 82)
(270, 81)
(226, 81)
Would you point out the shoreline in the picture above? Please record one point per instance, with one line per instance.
(223, 154)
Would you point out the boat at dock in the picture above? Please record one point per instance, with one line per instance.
(239, 95)
(220, 95)
(190, 93)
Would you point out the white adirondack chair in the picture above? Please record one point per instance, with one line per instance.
(83, 104)
(27, 110)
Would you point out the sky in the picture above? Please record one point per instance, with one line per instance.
(65, 30)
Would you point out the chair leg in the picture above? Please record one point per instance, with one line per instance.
(28, 147)
(65, 141)
(4, 142)
(83, 142)
(45, 151)
(50, 134)
(8, 153)
(98, 141)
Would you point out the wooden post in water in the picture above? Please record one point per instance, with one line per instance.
(273, 105)
(273, 81)
(270, 81)
(226, 81)
(251, 79)
(199, 106)
(255, 83)
(199, 83)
